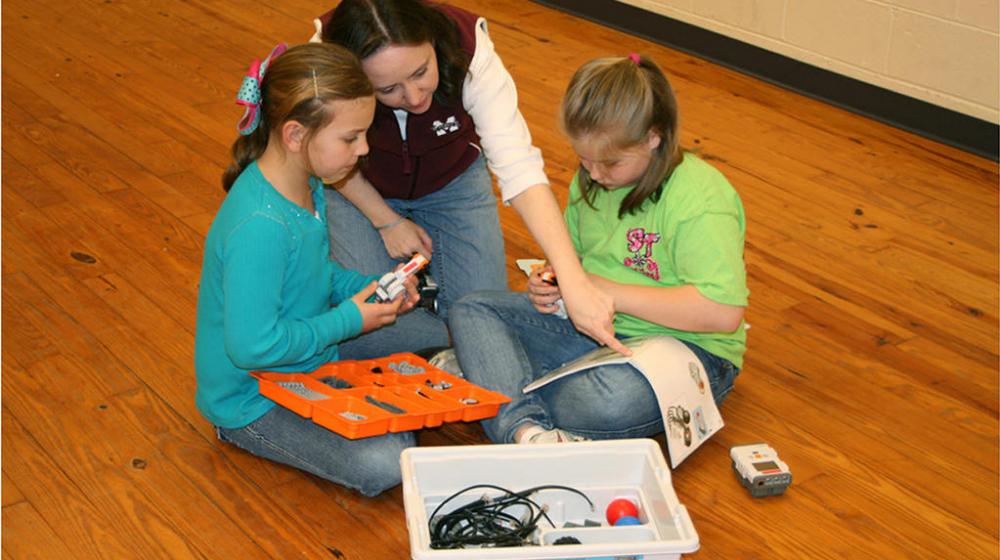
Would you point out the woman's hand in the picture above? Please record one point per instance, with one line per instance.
(376, 315)
(592, 311)
(543, 294)
(405, 238)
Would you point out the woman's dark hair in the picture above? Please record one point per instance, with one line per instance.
(366, 26)
(620, 101)
(297, 87)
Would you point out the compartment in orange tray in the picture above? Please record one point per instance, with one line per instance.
(399, 369)
(376, 374)
(477, 403)
(451, 410)
(407, 413)
(355, 373)
(465, 401)
(350, 416)
(387, 371)
(435, 379)
(434, 412)
(295, 391)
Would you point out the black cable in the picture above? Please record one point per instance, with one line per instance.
(486, 523)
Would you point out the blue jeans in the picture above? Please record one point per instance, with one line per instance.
(369, 465)
(503, 344)
(464, 225)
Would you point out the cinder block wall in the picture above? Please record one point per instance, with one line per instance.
(945, 52)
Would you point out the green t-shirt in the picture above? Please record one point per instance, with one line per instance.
(693, 235)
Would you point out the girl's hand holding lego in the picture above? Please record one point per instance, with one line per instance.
(411, 296)
(377, 315)
(543, 294)
(403, 238)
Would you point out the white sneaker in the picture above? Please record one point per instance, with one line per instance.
(447, 360)
(538, 434)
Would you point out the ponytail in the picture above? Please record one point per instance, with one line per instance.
(245, 150)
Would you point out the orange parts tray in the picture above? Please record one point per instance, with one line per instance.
(364, 398)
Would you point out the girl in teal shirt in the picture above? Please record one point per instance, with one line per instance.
(659, 231)
(270, 297)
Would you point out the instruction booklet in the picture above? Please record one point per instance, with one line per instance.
(676, 375)
(690, 415)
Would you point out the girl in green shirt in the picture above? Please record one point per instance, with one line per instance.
(660, 231)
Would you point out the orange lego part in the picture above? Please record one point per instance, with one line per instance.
(364, 398)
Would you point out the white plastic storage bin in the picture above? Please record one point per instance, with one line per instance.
(603, 470)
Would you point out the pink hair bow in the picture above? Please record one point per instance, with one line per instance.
(249, 94)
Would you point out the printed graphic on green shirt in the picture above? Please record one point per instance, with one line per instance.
(640, 244)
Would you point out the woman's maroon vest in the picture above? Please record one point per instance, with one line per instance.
(439, 143)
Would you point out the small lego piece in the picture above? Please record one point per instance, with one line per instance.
(759, 469)
(549, 278)
(427, 287)
(391, 285)
(529, 266)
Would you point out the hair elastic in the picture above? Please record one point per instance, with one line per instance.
(634, 57)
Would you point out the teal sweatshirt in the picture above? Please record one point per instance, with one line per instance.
(270, 298)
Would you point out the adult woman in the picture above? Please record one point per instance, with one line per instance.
(442, 92)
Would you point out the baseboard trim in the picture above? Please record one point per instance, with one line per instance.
(914, 115)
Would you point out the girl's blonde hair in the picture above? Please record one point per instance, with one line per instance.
(621, 100)
(296, 87)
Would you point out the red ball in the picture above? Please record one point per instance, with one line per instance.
(619, 508)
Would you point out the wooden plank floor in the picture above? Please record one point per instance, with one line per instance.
(872, 258)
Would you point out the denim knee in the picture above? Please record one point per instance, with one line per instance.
(479, 298)
(619, 400)
(482, 302)
(379, 464)
(722, 380)
(369, 465)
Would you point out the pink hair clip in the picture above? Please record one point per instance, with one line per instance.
(634, 57)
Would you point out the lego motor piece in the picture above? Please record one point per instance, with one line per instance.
(759, 469)
(427, 287)
(391, 285)
(549, 277)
